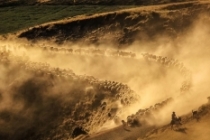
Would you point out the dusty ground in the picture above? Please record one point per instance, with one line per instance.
(95, 71)
(191, 130)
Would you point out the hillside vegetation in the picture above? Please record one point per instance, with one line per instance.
(122, 27)
(14, 18)
(78, 2)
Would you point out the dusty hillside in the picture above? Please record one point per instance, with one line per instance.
(123, 27)
(191, 129)
(71, 79)
(49, 100)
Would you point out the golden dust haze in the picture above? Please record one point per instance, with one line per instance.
(152, 81)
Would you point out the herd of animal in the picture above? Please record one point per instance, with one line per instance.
(120, 91)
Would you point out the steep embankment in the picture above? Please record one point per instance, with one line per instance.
(122, 27)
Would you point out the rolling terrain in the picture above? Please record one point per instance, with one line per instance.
(123, 27)
(111, 73)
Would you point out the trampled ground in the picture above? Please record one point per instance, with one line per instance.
(66, 70)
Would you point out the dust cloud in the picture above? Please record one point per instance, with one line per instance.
(152, 81)
(192, 49)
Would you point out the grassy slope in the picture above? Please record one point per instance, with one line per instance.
(122, 27)
(15, 18)
(101, 2)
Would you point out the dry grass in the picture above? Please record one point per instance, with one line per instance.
(15, 18)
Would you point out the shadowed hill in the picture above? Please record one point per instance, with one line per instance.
(122, 27)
